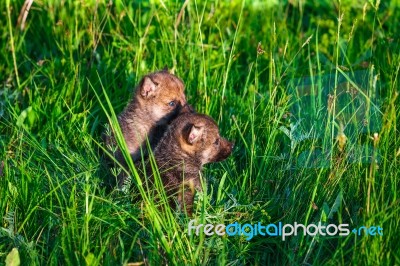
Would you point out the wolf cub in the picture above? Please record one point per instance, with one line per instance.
(191, 141)
(158, 99)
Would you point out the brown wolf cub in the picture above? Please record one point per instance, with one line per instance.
(191, 141)
(158, 99)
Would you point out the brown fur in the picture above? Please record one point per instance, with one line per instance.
(149, 112)
(191, 141)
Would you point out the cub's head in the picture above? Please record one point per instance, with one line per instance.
(161, 95)
(199, 138)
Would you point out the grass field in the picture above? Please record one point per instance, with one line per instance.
(307, 90)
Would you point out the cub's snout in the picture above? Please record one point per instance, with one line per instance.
(225, 150)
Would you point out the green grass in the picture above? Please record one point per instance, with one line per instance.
(246, 64)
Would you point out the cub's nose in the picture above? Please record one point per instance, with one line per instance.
(232, 145)
(229, 145)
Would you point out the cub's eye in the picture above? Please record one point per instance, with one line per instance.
(216, 142)
(172, 103)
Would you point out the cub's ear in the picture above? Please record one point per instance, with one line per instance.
(195, 134)
(165, 69)
(148, 87)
